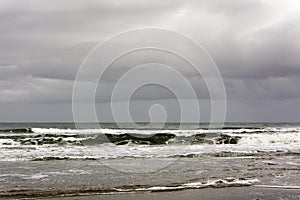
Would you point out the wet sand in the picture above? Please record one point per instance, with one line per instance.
(235, 193)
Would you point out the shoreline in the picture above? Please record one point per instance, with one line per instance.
(225, 193)
(252, 192)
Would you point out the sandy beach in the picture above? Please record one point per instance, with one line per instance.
(207, 194)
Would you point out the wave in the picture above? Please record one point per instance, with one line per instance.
(274, 138)
(219, 183)
(17, 130)
(178, 132)
(117, 139)
(238, 154)
(87, 137)
(156, 139)
(175, 155)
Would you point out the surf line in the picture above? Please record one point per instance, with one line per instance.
(295, 187)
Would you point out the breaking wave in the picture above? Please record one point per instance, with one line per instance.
(42, 144)
(228, 135)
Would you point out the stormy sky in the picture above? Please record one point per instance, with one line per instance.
(254, 43)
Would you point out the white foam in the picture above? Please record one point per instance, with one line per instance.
(111, 151)
(268, 138)
(284, 140)
(54, 130)
(297, 187)
(37, 176)
(198, 185)
(8, 142)
(177, 132)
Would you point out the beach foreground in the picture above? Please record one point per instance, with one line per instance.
(207, 194)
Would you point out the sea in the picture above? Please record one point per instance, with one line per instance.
(65, 159)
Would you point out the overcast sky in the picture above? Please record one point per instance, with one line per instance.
(254, 43)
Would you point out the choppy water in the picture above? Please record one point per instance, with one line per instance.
(57, 159)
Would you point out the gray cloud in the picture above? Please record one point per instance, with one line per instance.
(255, 44)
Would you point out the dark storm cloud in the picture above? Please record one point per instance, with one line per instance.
(255, 44)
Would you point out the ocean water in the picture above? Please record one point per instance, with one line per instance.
(58, 159)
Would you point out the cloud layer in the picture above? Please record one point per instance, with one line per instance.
(255, 44)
